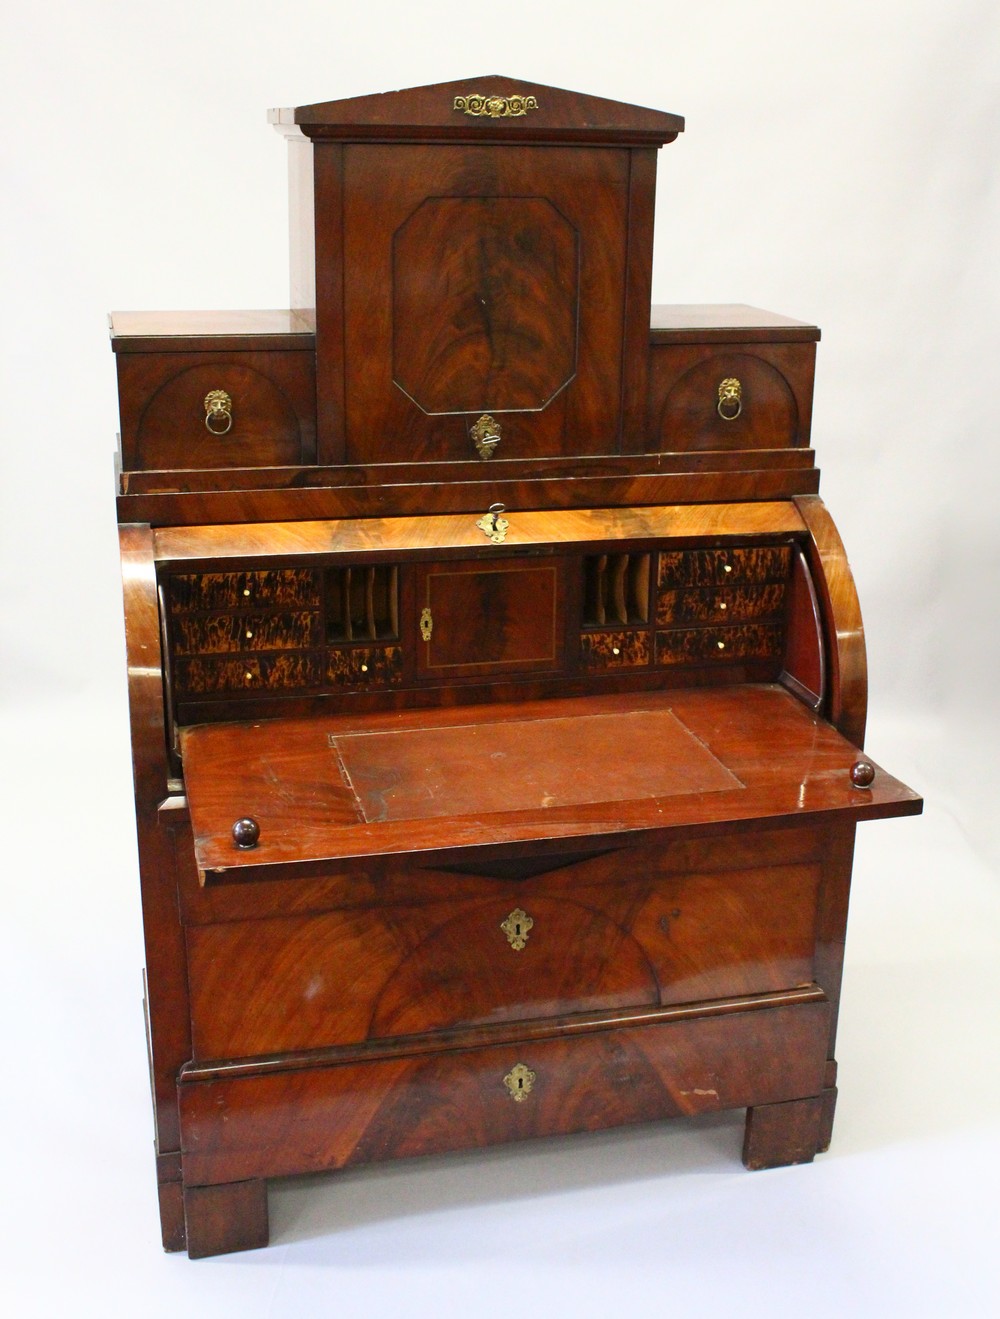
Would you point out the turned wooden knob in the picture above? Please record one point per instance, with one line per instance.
(863, 774)
(246, 832)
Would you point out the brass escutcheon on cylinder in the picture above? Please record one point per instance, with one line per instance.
(493, 525)
(218, 412)
(730, 403)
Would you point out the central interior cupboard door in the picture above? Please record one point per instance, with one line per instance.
(483, 281)
(485, 619)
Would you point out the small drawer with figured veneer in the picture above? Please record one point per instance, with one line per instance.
(360, 667)
(706, 645)
(724, 567)
(199, 410)
(213, 634)
(205, 677)
(287, 588)
(725, 605)
(601, 651)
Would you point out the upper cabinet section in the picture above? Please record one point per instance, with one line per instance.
(471, 271)
(478, 255)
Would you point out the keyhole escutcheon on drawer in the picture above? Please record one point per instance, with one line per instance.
(516, 927)
(519, 1081)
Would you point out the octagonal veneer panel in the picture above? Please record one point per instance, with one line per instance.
(486, 279)
(485, 304)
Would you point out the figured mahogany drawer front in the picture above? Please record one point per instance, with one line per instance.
(600, 651)
(724, 567)
(207, 676)
(532, 951)
(723, 605)
(757, 396)
(364, 666)
(210, 410)
(286, 588)
(719, 644)
(219, 633)
(313, 1118)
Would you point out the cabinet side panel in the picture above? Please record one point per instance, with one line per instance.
(166, 978)
(328, 161)
(301, 226)
(638, 291)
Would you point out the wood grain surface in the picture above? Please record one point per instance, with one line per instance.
(785, 763)
(387, 536)
(320, 1117)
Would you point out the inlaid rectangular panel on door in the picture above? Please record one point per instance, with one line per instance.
(479, 619)
(482, 281)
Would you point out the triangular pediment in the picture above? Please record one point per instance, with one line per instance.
(489, 106)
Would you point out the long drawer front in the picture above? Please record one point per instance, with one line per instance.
(268, 1124)
(581, 939)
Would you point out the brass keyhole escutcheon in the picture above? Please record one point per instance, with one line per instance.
(426, 624)
(485, 435)
(519, 1081)
(517, 927)
(493, 525)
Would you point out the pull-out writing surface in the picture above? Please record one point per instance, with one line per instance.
(333, 788)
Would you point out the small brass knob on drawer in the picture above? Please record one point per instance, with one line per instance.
(246, 833)
(218, 412)
(863, 774)
(730, 403)
(519, 1081)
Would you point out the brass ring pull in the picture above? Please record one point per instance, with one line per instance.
(730, 403)
(218, 412)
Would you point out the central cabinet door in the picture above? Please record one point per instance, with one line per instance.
(483, 282)
(479, 619)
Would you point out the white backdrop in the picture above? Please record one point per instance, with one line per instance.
(840, 165)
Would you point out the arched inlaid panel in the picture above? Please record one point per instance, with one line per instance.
(264, 431)
(767, 417)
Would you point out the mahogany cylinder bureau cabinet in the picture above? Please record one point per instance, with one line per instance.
(497, 676)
